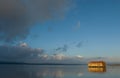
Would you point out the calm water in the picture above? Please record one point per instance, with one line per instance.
(38, 71)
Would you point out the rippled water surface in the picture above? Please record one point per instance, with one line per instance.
(59, 71)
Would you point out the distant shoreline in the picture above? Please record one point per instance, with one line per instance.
(114, 65)
(16, 63)
(19, 63)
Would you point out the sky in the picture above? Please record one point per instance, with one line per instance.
(85, 28)
(95, 23)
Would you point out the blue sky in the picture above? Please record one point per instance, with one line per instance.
(95, 23)
(52, 30)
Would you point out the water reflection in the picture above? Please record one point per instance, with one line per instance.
(60, 72)
(41, 71)
(97, 69)
(54, 74)
(36, 71)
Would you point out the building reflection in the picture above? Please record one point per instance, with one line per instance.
(97, 66)
(97, 69)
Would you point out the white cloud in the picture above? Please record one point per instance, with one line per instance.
(77, 26)
(58, 56)
(23, 44)
(79, 56)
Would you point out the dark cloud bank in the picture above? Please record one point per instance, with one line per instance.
(18, 16)
(64, 48)
(23, 53)
(19, 52)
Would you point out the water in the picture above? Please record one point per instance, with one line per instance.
(45, 71)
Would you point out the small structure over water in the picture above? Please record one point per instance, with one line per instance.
(94, 64)
(97, 66)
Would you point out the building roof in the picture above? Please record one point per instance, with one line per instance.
(96, 62)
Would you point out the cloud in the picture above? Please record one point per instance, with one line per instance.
(22, 52)
(62, 49)
(23, 44)
(58, 56)
(18, 52)
(18, 16)
(79, 56)
(77, 26)
(50, 29)
(80, 44)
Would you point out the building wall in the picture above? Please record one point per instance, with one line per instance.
(96, 64)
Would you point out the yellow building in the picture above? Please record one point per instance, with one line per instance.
(97, 66)
(94, 64)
